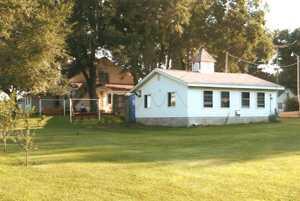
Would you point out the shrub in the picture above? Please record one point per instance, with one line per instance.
(274, 118)
(291, 104)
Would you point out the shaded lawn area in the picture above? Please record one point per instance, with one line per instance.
(88, 163)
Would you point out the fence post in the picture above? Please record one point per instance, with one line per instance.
(70, 105)
(64, 107)
(40, 106)
(99, 113)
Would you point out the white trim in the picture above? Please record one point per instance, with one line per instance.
(225, 86)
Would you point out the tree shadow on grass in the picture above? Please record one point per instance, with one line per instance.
(60, 142)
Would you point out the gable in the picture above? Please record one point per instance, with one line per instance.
(152, 76)
(116, 75)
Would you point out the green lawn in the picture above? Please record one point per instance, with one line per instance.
(86, 163)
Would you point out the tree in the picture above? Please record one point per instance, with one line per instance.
(289, 43)
(11, 116)
(151, 34)
(236, 26)
(92, 31)
(24, 138)
(167, 33)
(32, 40)
(8, 112)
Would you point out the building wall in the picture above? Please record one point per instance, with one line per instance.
(190, 110)
(116, 74)
(197, 109)
(158, 87)
(103, 97)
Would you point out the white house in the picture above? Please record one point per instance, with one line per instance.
(182, 98)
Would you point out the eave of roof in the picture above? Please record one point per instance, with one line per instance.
(205, 85)
(231, 86)
(119, 86)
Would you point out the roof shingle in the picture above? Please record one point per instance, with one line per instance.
(236, 79)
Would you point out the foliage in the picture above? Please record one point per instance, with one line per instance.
(11, 116)
(288, 76)
(255, 71)
(274, 118)
(167, 33)
(235, 26)
(151, 34)
(24, 138)
(143, 35)
(32, 39)
(292, 104)
(8, 119)
(91, 32)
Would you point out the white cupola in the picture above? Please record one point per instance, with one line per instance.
(203, 62)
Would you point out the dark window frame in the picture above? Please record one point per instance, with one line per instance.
(245, 100)
(225, 100)
(171, 99)
(147, 103)
(103, 77)
(263, 99)
(208, 99)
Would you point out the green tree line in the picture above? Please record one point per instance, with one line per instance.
(39, 37)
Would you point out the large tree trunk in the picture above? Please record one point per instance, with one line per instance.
(92, 87)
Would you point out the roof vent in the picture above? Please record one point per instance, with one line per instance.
(203, 62)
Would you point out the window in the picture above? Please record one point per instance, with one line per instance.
(225, 99)
(261, 100)
(147, 101)
(103, 78)
(109, 96)
(171, 99)
(245, 99)
(208, 99)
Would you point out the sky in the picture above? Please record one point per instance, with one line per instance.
(283, 14)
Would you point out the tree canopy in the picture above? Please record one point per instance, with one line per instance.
(140, 34)
(167, 33)
(288, 43)
(92, 31)
(32, 41)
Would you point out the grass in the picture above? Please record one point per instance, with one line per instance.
(84, 162)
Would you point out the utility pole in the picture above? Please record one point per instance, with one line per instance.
(298, 78)
(298, 81)
(226, 63)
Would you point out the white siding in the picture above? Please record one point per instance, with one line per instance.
(206, 67)
(158, 87)
(189, 101)
(196, 108)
